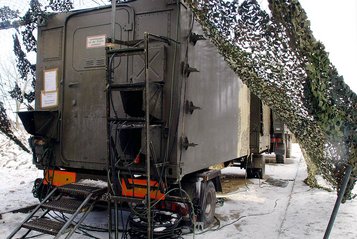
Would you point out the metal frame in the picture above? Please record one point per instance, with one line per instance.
(67, 224)
(111, 54)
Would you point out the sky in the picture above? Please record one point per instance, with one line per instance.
(334, 23)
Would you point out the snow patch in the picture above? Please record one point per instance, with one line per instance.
(159, 229)
(93, 183)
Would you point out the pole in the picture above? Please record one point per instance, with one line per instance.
(109, 72)
(114, 5)
(147, 127)
(338, 201)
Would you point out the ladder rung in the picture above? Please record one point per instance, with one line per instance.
(125, 43)
(44, 225)
(136, 125)
(66, 205)
(127, 51)
(120, 120)
(128, 86)
(133, 86)
(134, 119)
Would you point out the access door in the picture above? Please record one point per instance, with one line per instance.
(83, 129)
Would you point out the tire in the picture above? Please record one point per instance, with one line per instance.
(288, 146)
(40, 190)
(250, 173)
(208, 206)
(255, 173)
(280, 158)
(288, 154)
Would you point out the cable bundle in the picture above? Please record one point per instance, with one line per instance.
(164, 224)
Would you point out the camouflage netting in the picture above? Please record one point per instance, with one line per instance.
(279, 59)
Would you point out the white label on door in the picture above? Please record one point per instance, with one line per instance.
(96, 41)
(49, 99)
(50, 80)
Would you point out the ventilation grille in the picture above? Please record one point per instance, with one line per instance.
(94, 63)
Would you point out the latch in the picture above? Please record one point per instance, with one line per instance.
(128, 27)
(73, 84)
(187, 69)
(194, 38)
(185, 143)
(190, 107)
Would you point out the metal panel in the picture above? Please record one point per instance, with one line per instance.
(278, 125)
(243, 121)
(217, 127)
(264, 143)
(158, 23)
(256, 118)
(157, 65)
(259, 125)
(49, 55)
(52, 44)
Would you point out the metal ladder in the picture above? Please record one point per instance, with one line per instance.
(132, 122)
(73, 199)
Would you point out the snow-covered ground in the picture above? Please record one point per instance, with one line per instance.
(279, 206)
(17, 175)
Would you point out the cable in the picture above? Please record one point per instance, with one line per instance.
(34, 236)
(87, 234)
(165, 220)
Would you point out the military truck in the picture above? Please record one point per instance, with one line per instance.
(136, 95)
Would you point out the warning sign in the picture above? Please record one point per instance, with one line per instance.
(49, 99)
(96, 41)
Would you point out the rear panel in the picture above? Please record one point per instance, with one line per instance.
(72, 52)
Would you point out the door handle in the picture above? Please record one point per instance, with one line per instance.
(72, 84)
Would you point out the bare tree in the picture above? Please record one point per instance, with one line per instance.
(10, 79)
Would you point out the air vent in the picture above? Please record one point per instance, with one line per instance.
(89, 63)
(100, 62)
(94, 63)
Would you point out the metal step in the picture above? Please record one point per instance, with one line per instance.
(66, 205)
(44, 225)
(75, 189)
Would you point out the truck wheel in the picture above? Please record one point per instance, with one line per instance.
(250, 173)
(255, 173)
(288, 154)
(288, 147)
(208, 204)
(280, 158)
